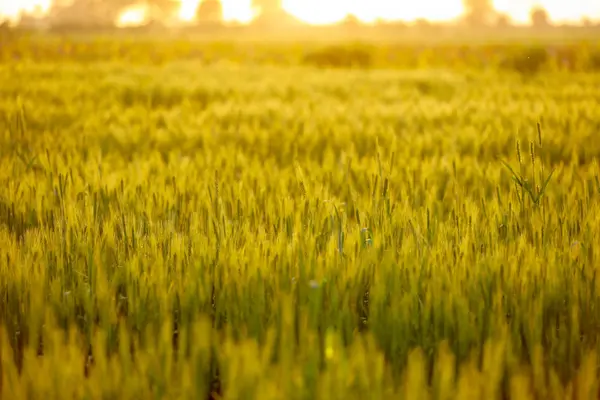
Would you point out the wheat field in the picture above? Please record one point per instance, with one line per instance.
(183, 229)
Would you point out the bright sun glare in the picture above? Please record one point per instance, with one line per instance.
(331, 11)
(233, 10)
(132, 16)
(321, 12)
(187, 10)
(12, 9)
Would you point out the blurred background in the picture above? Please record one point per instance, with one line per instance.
(390, 14)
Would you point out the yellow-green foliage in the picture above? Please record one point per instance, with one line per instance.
(242, 231)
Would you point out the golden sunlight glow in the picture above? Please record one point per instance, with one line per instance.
(331, 11)
(12, 10)
(558, 10)
(187, 10)
(132, 16)
(319, 12)
(324, 12)
(238, 11)
(233, 10)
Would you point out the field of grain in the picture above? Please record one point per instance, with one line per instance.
(236, 229)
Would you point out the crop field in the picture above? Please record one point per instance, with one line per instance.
(202, 221)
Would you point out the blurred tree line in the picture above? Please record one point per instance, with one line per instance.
(478, 13)
(482, 13)
(208, 11)
(267, 11)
